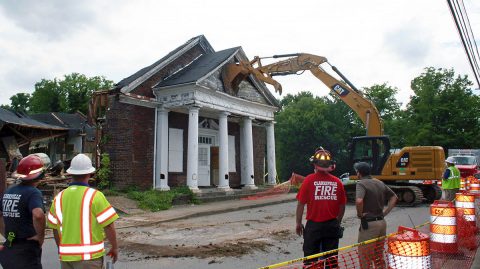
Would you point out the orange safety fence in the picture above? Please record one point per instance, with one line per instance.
(435, 244)
(295, 180)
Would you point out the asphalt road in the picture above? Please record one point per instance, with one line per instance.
(248, 238)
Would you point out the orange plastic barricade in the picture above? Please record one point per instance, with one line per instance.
(462, 184)
(409, 249)
(473, 184)
(465, 204)
(443, 227)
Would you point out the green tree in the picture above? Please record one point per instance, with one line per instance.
(383, 96)
(444, 111)
(305, 123)
(68, 95)
(20, 102)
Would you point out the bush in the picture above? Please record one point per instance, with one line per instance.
(154, 200)
(104, 172)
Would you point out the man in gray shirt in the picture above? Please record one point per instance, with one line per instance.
(371, 195)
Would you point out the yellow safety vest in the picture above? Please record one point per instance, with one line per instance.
(79, 214)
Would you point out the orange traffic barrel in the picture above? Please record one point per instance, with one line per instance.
(443, 227)
(473, 184)
(409, 249)
(462, 184)
(465, 204)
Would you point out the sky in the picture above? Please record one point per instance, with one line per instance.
(371, 41)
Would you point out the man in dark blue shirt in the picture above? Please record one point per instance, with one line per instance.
(23, 222)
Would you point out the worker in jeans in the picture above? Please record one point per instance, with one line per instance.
(371, 195)
(451, 180)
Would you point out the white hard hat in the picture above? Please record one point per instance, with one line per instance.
(450, 160)
(81, 165)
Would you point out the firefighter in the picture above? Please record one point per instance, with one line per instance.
(325, 198)
(23, 223)
(81, 217)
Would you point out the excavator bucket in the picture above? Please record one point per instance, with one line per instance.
(234, 74)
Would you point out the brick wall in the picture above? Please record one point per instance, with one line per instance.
(129, 132)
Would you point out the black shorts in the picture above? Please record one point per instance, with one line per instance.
(25, 254)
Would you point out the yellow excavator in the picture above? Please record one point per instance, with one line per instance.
(411, 172)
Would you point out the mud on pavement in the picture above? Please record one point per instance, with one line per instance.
(203, 239)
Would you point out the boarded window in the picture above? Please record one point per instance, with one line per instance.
(231, 154)
(175, 150)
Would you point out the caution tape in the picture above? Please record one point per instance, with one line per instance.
(290, 262)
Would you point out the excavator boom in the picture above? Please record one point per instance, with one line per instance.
(398, 169)
(298, 63)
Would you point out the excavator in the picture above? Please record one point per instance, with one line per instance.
(411, 172)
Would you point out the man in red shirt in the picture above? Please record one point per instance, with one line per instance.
(325, 198)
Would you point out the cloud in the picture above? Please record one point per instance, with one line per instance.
(410, 43)
(53, 19)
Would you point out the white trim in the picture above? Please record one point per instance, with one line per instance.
(216, 100)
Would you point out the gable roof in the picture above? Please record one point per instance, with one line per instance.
(146, 72)
(199, 68)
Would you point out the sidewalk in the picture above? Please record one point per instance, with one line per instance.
(188, 211)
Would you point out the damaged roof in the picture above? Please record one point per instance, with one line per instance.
(21, 119)
(127, 81)
(199, 68)
(66, 120)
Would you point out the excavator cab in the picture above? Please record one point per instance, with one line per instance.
(373, 150)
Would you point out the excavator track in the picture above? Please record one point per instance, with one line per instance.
(408, 195)
(431, 192)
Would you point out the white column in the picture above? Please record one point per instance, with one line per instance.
(272, 170)
(223, 177)
(161, 150)
(192, 151)
(248, 174)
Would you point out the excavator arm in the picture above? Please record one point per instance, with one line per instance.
(298, 63)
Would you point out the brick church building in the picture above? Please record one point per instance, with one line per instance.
(175, 123)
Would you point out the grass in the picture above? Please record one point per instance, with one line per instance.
(154, 200)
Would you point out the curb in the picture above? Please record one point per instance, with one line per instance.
(206, 213)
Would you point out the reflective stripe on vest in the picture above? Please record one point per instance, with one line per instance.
(80, 249)
(454, 173)
(106, 215)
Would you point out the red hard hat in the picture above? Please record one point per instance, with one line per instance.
(29, 168)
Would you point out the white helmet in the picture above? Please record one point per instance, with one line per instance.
(450, 160)
(81, 165)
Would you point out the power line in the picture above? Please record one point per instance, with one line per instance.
(466, 35)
